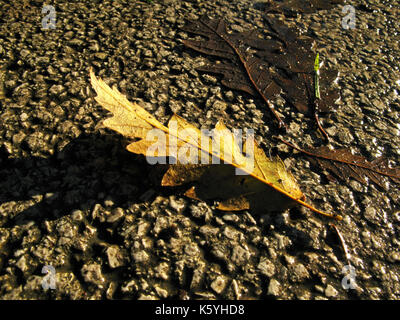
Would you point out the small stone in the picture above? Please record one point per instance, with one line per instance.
(162, 271)
(395, 132)
(345, 136)
(197, 277)
(200, 210)
(363, 99)
(209, 231)
(266, 267)
(331, 131)
(320, 298)
(92, 273)
(330, 291)
(22, 264)
(300, 273)
(219, 106)
(237, 28)
(219, 284)
(77, 215)
(274, 287)
(370, 214)
(231, 217)
(240, 256)
(142, 229)
(147, 297)
(183, 85)
(177, 205)
(108, 202)
(205, 295)
(347, 93)
(18, 137)
(283, 241)
(219, 251)
(192, 249)
(319, 288)
(355, 185)
(115, 215)
(129, 286)
(394, 257)
(115, 257)
(229, 95)
(209, 79)
(148, 53)
(56, 89)
(378, 104)
(235, 108)
(231, 233)
(175, 106)
(162, 293)
(161, 224)
(34, 141)
(140, 257)
(100, 55)
(289, 259)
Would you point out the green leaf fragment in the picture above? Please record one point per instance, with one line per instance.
(316, 77)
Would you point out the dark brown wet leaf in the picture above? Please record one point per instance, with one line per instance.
(344, 165)
(282, 65)
(293, 7)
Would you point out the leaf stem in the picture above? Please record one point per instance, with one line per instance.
(317, 96)
(324, 157)
(316, 77)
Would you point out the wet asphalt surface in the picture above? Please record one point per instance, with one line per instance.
(73, 198)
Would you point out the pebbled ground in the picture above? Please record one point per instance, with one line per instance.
(73, 198)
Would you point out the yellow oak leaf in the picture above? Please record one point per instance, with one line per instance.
(215, 164)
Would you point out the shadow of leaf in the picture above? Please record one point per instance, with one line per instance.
(88, 169)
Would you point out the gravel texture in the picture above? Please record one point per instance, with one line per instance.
(72, 197)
